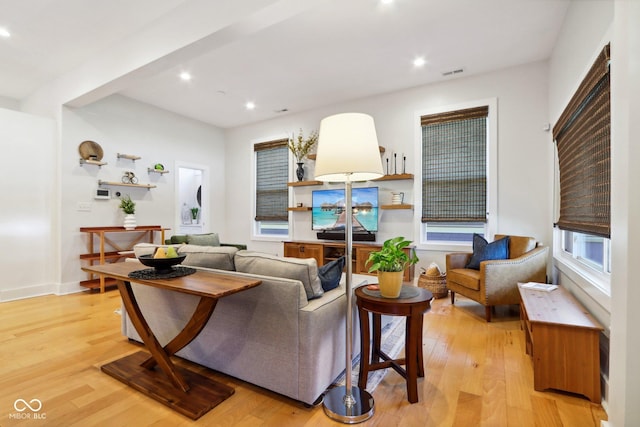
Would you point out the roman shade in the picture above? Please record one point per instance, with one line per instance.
(583, 140)
(454, 166)
(272, 193)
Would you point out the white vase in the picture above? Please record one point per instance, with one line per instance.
(129, 222)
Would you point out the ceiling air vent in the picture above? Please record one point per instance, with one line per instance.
(453, 72)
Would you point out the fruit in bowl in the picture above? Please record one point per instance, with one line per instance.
(163, 259)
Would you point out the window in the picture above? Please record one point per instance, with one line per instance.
(454, 175)
(272, 193)
(583, 142)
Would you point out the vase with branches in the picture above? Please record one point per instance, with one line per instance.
(300, 147)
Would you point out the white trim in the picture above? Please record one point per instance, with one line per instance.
(492, 172)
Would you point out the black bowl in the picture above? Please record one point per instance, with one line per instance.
(161, 264)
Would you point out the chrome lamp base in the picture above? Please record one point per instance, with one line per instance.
(348, 409)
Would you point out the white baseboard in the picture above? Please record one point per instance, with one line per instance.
(26, 292)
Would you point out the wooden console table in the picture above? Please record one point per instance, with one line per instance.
(563, 340)
(117, 251)
(183, 390)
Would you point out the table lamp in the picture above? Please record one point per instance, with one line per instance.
(348, 151)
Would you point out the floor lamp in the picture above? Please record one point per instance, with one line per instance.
(348, 151)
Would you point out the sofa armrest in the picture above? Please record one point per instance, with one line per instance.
(457, 260)
(503, 275)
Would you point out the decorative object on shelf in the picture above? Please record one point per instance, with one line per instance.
(300, 171)
(397, 197)
(348, 151)
(404, 164)
(158, 167)
(194, 215)
(128, 206)
(129, 178)
(300, 147)
(90, 150)
(390, 262)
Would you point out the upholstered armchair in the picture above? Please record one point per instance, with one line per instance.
(496, 282)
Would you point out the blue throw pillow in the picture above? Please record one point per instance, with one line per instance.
(331, 273)
(484, 251)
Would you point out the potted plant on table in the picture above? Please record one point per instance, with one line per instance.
(128, 206)
(300, 147)
(390, 262)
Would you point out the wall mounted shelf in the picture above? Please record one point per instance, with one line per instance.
(92, 162)
(122, 184)
(304, 183)
(299, 209)
(313, 156)
(403, 206)
(161, 172)
(128, 156)
(395, 177)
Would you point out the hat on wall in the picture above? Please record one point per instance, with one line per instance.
(90, 150)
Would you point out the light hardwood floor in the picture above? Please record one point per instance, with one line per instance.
(477, 374)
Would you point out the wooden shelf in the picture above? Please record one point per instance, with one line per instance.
(161, 172)
(395, 177)
(94, 284)
(299, 209)
(92, 162)
(122, 184)
(304, 183)
(403, 206)
(128, 156)
(108, 255)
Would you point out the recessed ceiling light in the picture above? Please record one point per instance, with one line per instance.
(185, 76)
(250, 105)
(419, 61)
(4, 32)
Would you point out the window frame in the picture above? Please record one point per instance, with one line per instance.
(256, 228)
(492, 175)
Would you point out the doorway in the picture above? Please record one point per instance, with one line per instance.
(192, 183)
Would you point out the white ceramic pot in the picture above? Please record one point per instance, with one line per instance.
(130, 222)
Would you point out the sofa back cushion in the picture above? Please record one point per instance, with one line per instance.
(209, 239)
(302, 269)
(218, 257)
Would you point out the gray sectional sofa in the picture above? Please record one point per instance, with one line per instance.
(286, 335)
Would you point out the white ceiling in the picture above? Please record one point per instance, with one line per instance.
(324, 53)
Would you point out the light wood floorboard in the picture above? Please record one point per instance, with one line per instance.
(477, 374)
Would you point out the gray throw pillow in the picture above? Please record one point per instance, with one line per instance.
(331, 273)
(302, 269)
(210, 239)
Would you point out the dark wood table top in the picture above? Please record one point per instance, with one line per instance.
(395, 306)
(202, 283)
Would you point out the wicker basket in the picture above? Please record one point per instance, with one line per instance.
(436, 284)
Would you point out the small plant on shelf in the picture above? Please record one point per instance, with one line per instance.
(127, 205)
(194, 213)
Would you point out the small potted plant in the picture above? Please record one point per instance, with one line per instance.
(194, 215)
(128, 206)
(300, 147)
(390, 262)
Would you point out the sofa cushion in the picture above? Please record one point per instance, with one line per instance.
(465, 277)
(302, 269)
(147, 248)
(178, 239)
(210, 239)
(218, 257)
(484, 251)
(331, 273)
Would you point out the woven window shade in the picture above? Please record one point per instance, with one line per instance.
(272, 193)
(454, 166)
(583, 139)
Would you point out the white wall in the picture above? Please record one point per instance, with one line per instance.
(27, 196)
(524, 191)
(121, 125)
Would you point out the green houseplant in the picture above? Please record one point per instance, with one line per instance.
(390, 262)
(194, 214)
(128, 206)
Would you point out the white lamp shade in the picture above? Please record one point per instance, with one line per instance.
(348, 149)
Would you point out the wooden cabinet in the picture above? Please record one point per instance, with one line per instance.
(325, 252)
(563, 340)
(102, 248)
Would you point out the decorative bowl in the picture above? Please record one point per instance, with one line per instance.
(161, 264)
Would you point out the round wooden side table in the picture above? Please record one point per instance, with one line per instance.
(412, 304)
